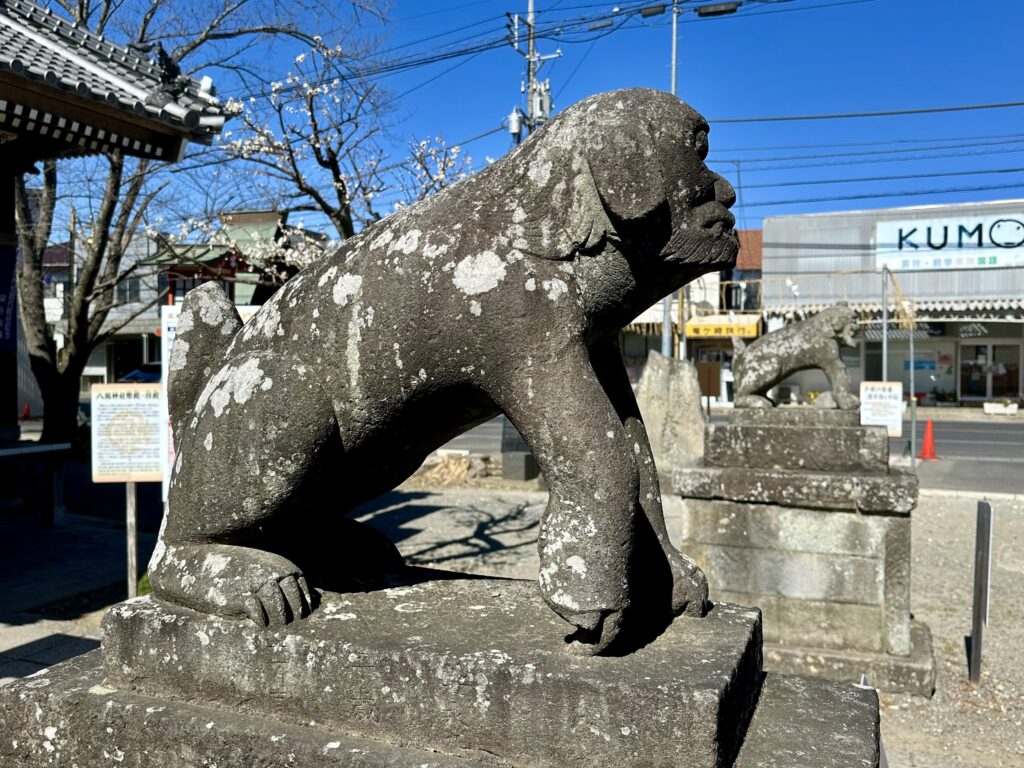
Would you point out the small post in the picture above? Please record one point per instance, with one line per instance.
(982, 570)
(133, 550)
(913, 405)
(666, 303)
(666, 326)
(885, 323)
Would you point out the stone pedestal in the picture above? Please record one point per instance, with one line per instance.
(442, 673)
(796, 511)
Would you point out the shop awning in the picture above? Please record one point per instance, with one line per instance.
(948, 306)
(744, 326)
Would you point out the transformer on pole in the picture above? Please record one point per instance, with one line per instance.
(538, 92)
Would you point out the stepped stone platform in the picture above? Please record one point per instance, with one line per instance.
(440, 673)
(795, 510)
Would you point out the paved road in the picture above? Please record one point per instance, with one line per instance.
(982, 457)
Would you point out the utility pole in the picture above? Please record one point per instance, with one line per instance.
(538, 92)
(885, 323)
(666, 303)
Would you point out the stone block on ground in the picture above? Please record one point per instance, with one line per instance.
(805, 723)
(829, 579)
(814, 449)
(472, 668)
(519, 465)
(795, 416)
(669, 399)
(892, 493)
(912, 673)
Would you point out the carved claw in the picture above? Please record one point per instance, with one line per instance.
(279, 601)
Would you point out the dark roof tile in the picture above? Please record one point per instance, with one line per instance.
(38, 44)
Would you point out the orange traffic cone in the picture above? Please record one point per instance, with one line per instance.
(928, 446)
(26, 413)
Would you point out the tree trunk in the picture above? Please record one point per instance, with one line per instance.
(60, 404)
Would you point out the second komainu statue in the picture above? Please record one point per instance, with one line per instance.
(808, 344)
(502, 294)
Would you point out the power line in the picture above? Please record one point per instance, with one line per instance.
(882, 178)
(853, 115)
(870, 143)
(913, 193)
(867, 153)
(879, 161)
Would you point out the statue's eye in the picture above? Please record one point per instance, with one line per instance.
(700, 144)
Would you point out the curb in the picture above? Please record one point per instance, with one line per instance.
(941, 493)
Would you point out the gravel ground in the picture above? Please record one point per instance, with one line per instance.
(494, 532)
(963, 726)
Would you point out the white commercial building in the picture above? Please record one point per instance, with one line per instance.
(958, 268)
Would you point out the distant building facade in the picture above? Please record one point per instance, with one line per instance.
(959, 267)
(714, 308)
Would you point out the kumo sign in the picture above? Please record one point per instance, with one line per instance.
(981, 242)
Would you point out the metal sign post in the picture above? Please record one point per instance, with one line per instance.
(913, 405)
(131, 520)
(982, 572)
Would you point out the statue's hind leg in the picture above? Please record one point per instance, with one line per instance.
(249, 460)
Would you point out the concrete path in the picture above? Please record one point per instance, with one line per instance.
(54, 586)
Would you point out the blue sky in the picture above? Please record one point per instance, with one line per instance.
(802, 57)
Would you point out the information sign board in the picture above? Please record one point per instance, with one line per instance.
(126, 428)
(881, 404)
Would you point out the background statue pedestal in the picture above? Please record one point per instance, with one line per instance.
(796, 511)
(443, 673)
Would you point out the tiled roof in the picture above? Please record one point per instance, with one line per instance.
(39, 45)
(750, 249)
(1007, 308)
(57, 256)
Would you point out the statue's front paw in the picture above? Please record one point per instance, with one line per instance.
(596, 630)
(277, 602)
(689, 586)
(847, 402)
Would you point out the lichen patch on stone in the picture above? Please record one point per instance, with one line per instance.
(479, 274)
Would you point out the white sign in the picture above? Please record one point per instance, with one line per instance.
(126, 429)
(881, 404)
(968, 242)
(168, 330)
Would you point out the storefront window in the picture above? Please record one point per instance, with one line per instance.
(1005, 370)
(973, 365)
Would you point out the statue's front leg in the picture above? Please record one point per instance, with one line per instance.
(587, 532)
(689, 590)
(839, 378)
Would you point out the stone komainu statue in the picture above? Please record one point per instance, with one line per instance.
(501, 294)
(810, 343)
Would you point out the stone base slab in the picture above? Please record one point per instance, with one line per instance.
(468, 667)
(808, 448)
(796, 416)
(896, 674)
(68, 716)
(892, 494)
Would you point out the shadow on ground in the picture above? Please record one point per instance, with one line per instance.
(448, 534)
(23, 660)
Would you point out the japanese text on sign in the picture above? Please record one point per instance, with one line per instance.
(881, 404)
(126, 433)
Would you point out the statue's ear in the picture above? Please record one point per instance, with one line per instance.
(611, 175)
(627, 173)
